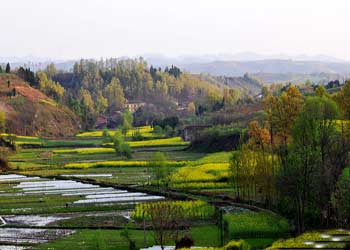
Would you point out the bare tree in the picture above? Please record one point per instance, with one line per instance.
(167, 221)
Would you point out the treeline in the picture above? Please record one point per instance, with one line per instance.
(105, 87)
(297, 158)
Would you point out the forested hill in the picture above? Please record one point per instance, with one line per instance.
(27, 111)
(247, 83)
(92, 89)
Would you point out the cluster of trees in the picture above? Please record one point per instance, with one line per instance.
(296, 158)
(100, 87)
(118, 139)
(7, 69)
(105, 86)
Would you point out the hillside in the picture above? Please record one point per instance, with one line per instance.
(30, 112)
(238, 68)
(247, 83)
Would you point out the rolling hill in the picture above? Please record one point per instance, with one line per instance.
(29, 112)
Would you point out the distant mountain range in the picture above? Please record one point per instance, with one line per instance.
(269, 68)
(238, 68)
(161, 60)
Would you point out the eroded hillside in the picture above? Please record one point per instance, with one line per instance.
(30, 112)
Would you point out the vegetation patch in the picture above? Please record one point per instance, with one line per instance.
(191, 209)
(255, 225)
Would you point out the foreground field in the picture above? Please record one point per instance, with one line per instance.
(95, 215)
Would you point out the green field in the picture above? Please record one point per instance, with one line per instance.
(86, 154)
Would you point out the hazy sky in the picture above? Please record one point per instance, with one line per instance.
(111, 28)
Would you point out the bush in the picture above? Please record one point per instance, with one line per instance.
(125, 150)
(169, 131)
(137, 136)
(184, 242)
(236, 245)
(120, 146)
(157, 130)
(106, 136)
(4, 164)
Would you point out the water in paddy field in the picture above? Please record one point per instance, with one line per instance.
(91, 193)
(14, 185)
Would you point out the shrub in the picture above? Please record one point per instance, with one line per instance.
(169, 131)
(4, 164)
(125, 150)
(184, 242)
(236, 245)
(158, 130)
(137, 136)
(106, 136)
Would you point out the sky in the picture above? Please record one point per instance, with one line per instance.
(71, 29)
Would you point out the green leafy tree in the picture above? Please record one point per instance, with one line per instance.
(120, 146)
(341, 198)
(50, 71)
(127, 122)
(321, 91)
(159, 168)
(158, 130)
(49, 87)
(307, 172)
(115, 95)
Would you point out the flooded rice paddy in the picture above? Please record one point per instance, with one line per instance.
(25, 227)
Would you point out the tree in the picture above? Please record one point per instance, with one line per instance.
(230, 97)
(341, 198)
(282, 112)
(127, 122)
(191, 108)
(1, 69)
(51, 71)
(2, 122)
(159, 168)
(101, 103)
(321, 91)
(49, 87)
(166, 220)
(120, 146)
(8, 68)
(115, 95)
(265, 91)
(307, 177)
(343, 100)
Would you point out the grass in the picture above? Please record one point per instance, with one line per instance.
(256, 225)
(94, 221)
(111, 239)
(193, 170)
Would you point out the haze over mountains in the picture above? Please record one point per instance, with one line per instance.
(269, 68)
